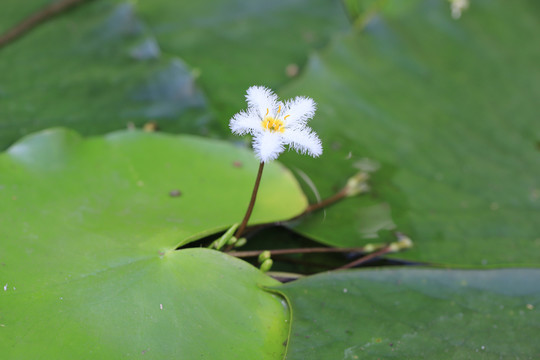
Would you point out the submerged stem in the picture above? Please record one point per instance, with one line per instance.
(326, 202)
(35, 19)
(363, 259)
(244, 222)
(255, 253)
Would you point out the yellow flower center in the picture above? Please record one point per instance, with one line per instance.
(273, 124)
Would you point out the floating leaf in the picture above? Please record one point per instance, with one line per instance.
(189, 304)
(89, 228)
(415, 313)
(447, 108)
(95, 69)
(109, 63)
(235, 44)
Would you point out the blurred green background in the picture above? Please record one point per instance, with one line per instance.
(440, 106)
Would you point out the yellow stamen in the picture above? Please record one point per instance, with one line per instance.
(273, 125)
(286, 116)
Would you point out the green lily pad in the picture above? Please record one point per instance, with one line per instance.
(447, 109)
(235, 44)
(415, 314)
(187, 304)
(109, 63)
(14, 12)
(89, 229)
(95, 69)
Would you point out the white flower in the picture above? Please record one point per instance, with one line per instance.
(275, 124)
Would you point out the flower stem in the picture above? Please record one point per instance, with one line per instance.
(255, 253)
(326, 202)
(311, 208)
(244, 222)
(363, 259)
(35, 19)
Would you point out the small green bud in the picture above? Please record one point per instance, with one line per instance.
(266, 265)
(265, 255)
(404, 241)
(357, 184)
(232, 240)
(394, 247)
(241, 242)
(368, 248)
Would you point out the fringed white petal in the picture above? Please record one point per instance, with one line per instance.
(299, 111)
(286, 125)
(260, 100)
(268, 145)
(303, 140)
(245, 122)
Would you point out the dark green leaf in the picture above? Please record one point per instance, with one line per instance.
(415, 314)
(448, 109)
(95, 69)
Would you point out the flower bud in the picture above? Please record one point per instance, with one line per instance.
(266, 265)
(357, 184)
(240, 242)
(265, 255)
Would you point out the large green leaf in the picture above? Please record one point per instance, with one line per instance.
(95, 69)
(415, 314)
(188, 304)
(89, 228)
(447, 108)
(236, 44)
(109, 62)
(14, 11)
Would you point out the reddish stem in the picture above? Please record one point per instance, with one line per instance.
(254, 253)
(244, 222)
(363, 259)
(35, 19)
